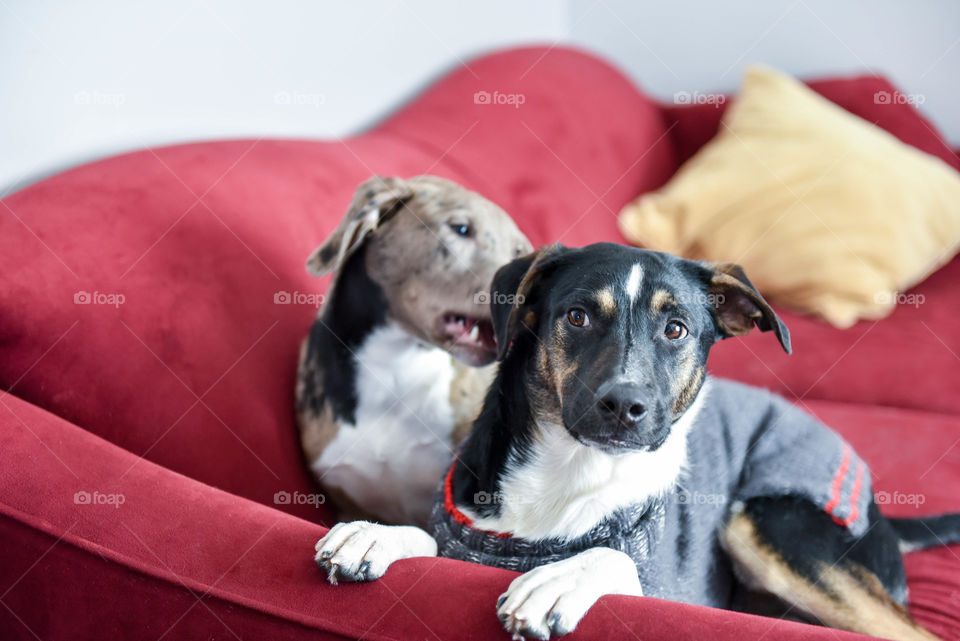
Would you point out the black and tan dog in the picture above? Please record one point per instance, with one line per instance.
(605, 461)
(390, 375)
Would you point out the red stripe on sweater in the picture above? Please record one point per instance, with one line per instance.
(838, 480)
(854, 496)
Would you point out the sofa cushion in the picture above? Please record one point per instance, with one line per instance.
(827, 213)
(911, 359)
(583, 142)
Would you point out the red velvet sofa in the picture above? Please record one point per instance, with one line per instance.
(146, 431)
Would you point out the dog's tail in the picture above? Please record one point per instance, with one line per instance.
(927, 531)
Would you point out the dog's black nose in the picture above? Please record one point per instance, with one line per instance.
(623, 402)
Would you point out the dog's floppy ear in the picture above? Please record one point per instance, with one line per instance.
(374, 202)
(737, 305)
(515, 292)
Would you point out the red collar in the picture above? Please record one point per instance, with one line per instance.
(451, 507)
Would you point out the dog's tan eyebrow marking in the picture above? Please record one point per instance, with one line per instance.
(660, 299)
(634, 280)
(606, 301)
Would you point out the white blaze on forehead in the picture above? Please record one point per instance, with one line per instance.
(633, 282)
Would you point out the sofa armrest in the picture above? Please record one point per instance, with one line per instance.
(149, 553)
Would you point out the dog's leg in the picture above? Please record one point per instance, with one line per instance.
(362, 551)
(550, 600)
(792, 549)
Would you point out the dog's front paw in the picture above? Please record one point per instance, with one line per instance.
(541, 604)
(550, 600)
(350, 552)
(362, 551)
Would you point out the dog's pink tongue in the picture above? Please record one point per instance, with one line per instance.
(468, 331)
(458, 328)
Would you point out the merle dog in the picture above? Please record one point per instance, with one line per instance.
(392, 372)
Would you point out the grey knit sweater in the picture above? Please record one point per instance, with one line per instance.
(745, 443)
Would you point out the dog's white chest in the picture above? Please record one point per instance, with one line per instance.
(564, 488)
(392, 459)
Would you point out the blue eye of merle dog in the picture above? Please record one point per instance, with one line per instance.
(675, 330)
(460, 229)
(578, 318)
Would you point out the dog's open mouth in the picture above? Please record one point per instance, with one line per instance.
(470, 339)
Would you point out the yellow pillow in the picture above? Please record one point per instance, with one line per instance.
(826, 212)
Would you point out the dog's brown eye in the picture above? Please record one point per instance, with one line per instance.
(578, 317)
(675, 330)
(461, 229)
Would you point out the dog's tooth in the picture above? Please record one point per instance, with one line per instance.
(475, 332)
(462, 320)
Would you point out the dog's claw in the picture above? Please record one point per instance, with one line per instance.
(528, 632)
(555, 622)
(332, 570)
(363, 572)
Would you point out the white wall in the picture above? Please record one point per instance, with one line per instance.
(704, 45)
(80, 80)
